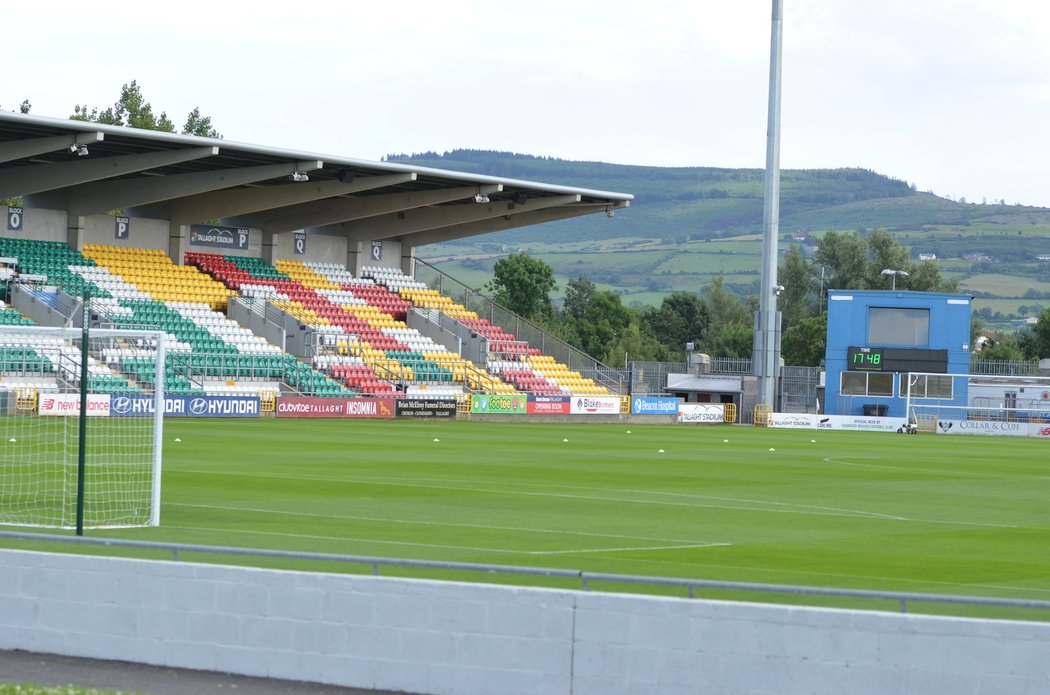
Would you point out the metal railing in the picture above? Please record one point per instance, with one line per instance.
(523, 329)
(1002, 367)
(586, 580)
(731, 365)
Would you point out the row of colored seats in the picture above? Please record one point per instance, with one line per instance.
(9, 316)
(124, 303)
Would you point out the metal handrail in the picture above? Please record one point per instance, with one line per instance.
(585, 578)
(604, 375)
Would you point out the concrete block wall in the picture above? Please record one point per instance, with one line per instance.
(468, 639)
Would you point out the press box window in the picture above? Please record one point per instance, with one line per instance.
(898, 326)
(866, 384)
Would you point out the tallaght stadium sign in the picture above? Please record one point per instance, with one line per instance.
(221, 237)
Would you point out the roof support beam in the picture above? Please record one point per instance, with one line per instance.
(339, 212)
(499, 224)
(319, 210)
(23, 149)
(100, 196)
(413, 222)
(48, 177)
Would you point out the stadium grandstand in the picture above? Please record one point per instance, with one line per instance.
(270, 270)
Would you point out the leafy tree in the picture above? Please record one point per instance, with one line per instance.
(681, 318)
(856, 262)
(199, 125)
(884, 252)
(25, 106)
(1041, 336)
(726, 310)
(800, 296)
(523, 284)
(133, 111)
(926, 277)
(1000, 348)
(977, 326)
(844, 256)
(635, 343)
(734, 340)
(579, 293)
(607, 321)
(803, 344)
(593, 320)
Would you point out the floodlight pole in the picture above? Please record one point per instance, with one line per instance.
(767, 320)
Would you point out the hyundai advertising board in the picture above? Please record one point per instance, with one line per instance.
(185, 406)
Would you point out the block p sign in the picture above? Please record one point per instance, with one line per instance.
(122, 228)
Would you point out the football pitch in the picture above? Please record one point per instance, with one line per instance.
(925, 513)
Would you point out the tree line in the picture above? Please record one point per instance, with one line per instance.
(133, 111)
(719, 322)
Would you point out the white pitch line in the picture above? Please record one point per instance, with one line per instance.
(620, 550)
(418, 483)
(421, 522)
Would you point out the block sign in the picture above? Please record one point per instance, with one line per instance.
(14, 219)
(221, 237)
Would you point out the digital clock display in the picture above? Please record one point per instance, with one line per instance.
(870, 360)
(883, 359)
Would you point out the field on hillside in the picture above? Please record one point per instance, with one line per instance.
(644, 273)
(925, 513)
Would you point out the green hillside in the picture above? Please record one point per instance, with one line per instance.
(688, 224)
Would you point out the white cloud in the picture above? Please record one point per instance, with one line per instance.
(948, 94)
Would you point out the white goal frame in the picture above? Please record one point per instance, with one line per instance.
(62, 347)
(976, 397)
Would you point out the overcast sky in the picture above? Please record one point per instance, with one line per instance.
(950, 95)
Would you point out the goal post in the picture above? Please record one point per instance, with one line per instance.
(975, 398)
(43, 442)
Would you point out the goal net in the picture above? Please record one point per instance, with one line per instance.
(965, 398)
(42, 439)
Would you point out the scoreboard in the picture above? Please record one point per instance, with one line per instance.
(883, 359)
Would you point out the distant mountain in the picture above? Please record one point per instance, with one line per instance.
(688, 225)
(696, 203)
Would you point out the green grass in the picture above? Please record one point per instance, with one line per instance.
(1004, 285)
(947, 515)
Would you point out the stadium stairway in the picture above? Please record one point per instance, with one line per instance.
(367, 343)
(208, 353)
(43, 364)
(371, 348)
(526, 368)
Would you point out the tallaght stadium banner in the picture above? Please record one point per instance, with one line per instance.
(704, 413)
(792, 421)
(219, 236)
